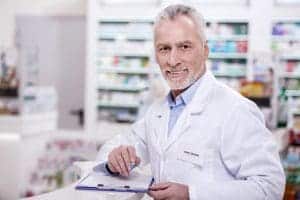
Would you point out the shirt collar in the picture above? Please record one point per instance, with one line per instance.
(186, 96)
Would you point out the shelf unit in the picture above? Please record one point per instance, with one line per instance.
(228, 44)
(121, 88)
(286, 45)
(124, 67)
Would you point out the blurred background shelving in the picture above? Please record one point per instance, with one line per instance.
(286, 45)
(74, 74)
(125, 66)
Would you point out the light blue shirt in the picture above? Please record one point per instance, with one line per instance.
(176, 106)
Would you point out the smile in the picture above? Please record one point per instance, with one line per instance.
(176, 73)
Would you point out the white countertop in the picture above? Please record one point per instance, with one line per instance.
(70, 193)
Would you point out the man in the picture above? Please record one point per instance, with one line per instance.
(203, 141)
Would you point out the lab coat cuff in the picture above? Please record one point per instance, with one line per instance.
(103, 167)
(100, 167)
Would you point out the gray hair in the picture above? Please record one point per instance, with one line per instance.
(173, 11)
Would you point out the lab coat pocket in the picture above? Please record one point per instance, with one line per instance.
(191, 158)
(198, 163)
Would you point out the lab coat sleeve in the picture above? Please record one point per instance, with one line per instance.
(250, 155)
(136, 137)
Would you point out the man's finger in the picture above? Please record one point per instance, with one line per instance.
(126, 158)
(114, 163)
(112, 168)
(137, 160)
(133, 157)
(159, 194)
(132, 154)
(160, 186)
(122, 165)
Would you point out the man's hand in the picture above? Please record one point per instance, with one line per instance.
(169, 191)
(121, 158)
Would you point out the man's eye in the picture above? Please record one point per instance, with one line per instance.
(164, 49)
(185, 47)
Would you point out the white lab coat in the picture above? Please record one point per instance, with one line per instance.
(219, 146)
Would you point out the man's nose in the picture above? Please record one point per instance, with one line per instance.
(173, 59)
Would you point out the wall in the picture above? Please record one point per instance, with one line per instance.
(10, 8)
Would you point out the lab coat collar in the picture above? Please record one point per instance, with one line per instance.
(195, 107)
(186, 96)
(160, 123)
(203, 94)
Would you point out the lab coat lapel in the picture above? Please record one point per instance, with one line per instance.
(194, 108)
(161, 126)
(182, 124)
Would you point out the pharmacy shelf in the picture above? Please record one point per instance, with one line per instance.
(289, 75)
(224, 3)
(227, 75)
(117, 105)
(260, 73)
(228, 37)
(228, 56)
(224, 20)
(127, 54)
(284, 43)
(126, 88)
(123, 70)
(103, 19)
(132, 54)
(293, 93)
(285, 38)
(290, 57)
(138, 38)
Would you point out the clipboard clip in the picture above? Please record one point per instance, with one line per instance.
(125, 187)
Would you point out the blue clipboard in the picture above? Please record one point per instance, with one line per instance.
(99, 181)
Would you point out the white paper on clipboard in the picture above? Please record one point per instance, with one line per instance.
(135, 182)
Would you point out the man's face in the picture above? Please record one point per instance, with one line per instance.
(179, 51)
